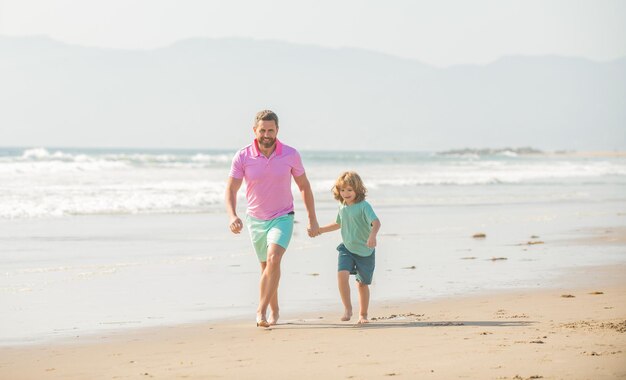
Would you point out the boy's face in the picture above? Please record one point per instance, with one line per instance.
(348, 194)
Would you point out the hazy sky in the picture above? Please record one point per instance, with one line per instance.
(439, 32)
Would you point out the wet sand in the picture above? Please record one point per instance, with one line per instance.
(573, 332)
(92, 274)
(553, 310)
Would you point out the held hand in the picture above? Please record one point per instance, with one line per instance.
(236, 225)
(313, 229)
(371, 242)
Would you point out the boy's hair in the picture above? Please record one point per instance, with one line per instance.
(354, 181)
(265, 115)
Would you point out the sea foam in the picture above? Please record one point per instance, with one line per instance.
(41, 182)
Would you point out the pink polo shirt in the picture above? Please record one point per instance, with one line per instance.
(268, 180)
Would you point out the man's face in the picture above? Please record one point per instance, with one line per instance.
(265, 133)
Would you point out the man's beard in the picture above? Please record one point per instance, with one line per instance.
(267, 142)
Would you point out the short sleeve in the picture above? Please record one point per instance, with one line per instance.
(236, 167)
(297, 169)
(369, 213)
(338, 219)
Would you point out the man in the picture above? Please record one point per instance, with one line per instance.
(267, 166)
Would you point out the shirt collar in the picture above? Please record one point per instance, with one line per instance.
(257, 151)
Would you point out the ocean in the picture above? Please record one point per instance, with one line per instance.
(99, 240)
(52, 183)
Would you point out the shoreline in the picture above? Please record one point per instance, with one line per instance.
(609, 276)
(580, 278)
(434, 265)
(575, 331)
(445, 305)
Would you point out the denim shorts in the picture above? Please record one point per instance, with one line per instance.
(266, 232)
(362, 266)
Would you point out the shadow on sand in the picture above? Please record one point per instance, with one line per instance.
(398, 324)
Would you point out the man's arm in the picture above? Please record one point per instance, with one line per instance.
(232, 187)
(309, 203)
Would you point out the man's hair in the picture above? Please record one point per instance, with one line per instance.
(265, 115)
(354, 181)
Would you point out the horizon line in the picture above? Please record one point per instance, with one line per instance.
(467, 148)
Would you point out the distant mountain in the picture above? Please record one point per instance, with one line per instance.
(203, 93)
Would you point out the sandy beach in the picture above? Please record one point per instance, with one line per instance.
(576, 332)
(573, 330)
(567, 322)
(502, 268)
(144, 175)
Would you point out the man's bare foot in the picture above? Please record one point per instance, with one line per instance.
(261, 321)
(363, 320)
(347, 315)
(273, 318)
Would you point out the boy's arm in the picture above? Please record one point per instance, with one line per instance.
(371, 240)
(329, 228)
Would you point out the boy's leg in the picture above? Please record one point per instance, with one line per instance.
(365, 271)
(364, 301)
(343, 277)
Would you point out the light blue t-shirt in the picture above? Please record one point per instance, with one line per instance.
(356, 224)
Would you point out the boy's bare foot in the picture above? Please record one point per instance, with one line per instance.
(273, 318)
(347, 315)
(261, 321)
(363, 320)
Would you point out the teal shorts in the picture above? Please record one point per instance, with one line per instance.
(266, 232)
(362, 266)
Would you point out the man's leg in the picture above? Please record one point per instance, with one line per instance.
(274, 312)
(343, 280)
(269, 280)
